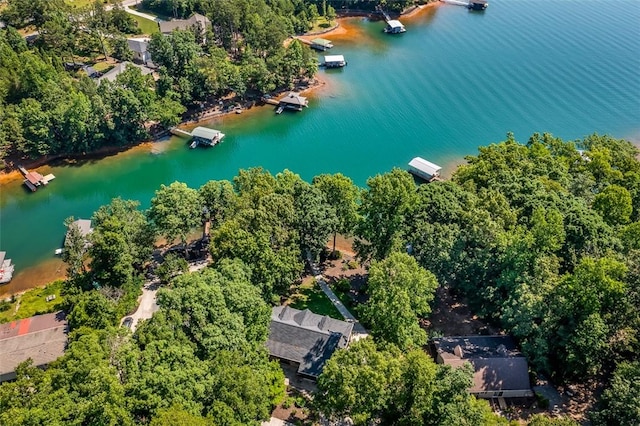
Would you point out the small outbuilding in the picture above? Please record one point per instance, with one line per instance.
(334, 61)
(294, 101)
(500, 370)
(394, 27)
(140, 48)
(321, 44)
(424, 169)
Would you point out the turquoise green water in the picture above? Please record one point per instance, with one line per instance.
(453, 81)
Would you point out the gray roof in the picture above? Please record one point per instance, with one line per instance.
(139, 45)
(497, 363)
(294, 98)
(205, 133)
(306, 338)
(43, 338)
(424, 166)
(84, 225)
(119, 69)
(185, 24)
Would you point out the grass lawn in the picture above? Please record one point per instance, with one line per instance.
(33, 302)
(310, 296)
(145, 26)
(321, 24)
(78, 3)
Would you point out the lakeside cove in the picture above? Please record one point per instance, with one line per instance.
(416, 94)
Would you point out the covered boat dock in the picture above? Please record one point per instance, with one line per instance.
(334, 61)
(293, 101)
(321, 44)
(424, 169)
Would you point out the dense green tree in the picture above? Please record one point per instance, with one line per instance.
(388, 387)
(614, 204)
(74, 253)
(343, 196)
(383, 207)
(399, 293)
(620, 404)
(175, 211)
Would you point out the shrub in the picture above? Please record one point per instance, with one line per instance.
(342, 285)
(542, 401)
(352, 264)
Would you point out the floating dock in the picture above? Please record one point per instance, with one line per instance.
(34, 180)
(424, 169)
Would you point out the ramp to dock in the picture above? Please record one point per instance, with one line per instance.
(456, 2)
(179, 132)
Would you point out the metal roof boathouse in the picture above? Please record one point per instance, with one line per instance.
(424, 169)
(334, 61)
(321, 44)
(205, 136)
(394, 27)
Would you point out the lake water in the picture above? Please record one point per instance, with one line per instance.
(455, 80)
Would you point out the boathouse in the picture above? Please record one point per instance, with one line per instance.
(424, 169)
(84, 227)
(205, 136)
(321, 44)
(334, 61)
(500, 370)
(6, 268)
(33, 180)
(305, 340)
(478, 4)
(294, 101)
(394, 27)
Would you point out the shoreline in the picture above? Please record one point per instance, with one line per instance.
(341, 28)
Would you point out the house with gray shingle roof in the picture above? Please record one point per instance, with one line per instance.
(196, 22)
(305, 339)
(500, 370)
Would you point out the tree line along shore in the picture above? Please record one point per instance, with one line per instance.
(542, 240)
(51, 108)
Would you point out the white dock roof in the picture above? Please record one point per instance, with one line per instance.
(204, 133)
(395, 24)
(334, 58)
(425, 166)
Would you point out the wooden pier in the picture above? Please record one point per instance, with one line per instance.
(199, 136)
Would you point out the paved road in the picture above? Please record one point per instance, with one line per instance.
(146, 303)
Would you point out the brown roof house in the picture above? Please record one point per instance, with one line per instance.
(305, 339)
(43, 338)
(196, 22)
(500, 370)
